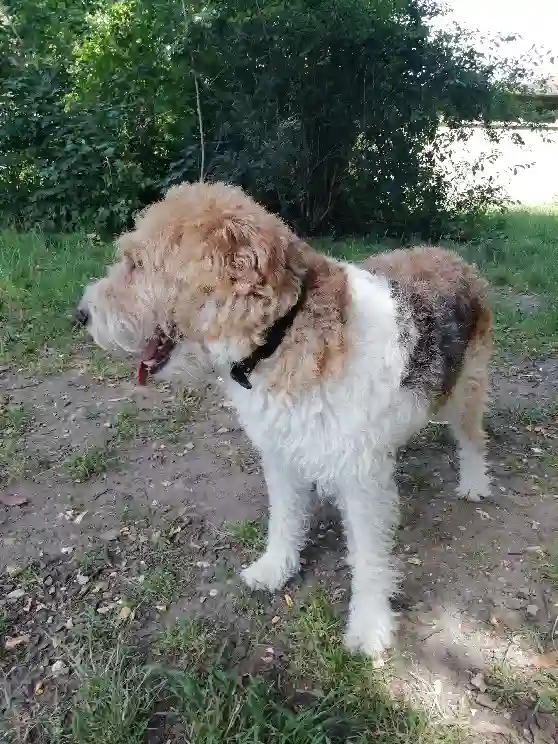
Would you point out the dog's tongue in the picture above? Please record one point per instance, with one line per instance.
(150, 352)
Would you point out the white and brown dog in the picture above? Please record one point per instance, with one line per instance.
(330, 366)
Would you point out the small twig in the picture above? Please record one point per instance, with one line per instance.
(198, 108)
(24, 387)
(200, 124)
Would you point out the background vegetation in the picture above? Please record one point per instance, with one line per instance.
(325, 110)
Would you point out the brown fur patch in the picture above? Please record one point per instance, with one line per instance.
(231, 269)
(443, 298)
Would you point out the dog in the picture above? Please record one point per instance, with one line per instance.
(330, 366)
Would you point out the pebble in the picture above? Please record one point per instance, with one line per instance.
(59, 669)
(532, 610)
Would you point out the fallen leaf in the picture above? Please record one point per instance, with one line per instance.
(275, 620)
(16, 594)
(124, 613)
(17, 641)
(39, 688)
(414, 561)
(106, 608)
(12, 499)
(288, 601)
(545, 661)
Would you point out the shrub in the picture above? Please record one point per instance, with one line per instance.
(324, 110)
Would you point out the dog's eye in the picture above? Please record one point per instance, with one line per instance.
(138, 264)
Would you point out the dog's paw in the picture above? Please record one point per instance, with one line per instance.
(474, 484)
(370, 634)
(475, 492)
(470, 496)
(269, 573)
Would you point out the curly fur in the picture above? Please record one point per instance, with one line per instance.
(376, 351)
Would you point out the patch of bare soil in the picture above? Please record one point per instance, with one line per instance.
(128, 497)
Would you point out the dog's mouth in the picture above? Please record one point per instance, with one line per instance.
(156, 354)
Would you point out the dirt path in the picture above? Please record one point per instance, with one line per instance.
(479, 599)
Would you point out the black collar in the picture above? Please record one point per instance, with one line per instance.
(273, 337)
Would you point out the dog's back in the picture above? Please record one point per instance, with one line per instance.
(444, 300)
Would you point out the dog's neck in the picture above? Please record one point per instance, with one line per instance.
(311, 348)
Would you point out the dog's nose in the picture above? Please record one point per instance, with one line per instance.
(81, 316)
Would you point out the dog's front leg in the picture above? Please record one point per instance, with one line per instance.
(289, 498)
(369, 503)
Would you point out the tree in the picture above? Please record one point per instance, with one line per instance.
(324, 110)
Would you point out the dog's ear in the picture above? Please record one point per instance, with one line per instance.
(252, 256)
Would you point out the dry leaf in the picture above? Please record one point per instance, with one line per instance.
(79, 518)
(124, 613)
(106, 608)
(414, 561)
(275, 620)
(288, 601)
(17, 641)
(12, 499)
(16, 594)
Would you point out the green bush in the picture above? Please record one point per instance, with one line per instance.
(324, 110)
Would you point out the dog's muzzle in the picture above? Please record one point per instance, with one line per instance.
(81, 317)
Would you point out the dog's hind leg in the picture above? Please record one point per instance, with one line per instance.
(289, 503)
(465, 410)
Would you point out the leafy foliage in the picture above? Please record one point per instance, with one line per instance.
(325, 110)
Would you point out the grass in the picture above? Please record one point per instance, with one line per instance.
(185, 687)
(89, 464)
(41, 278)
(248, 533)
(15, 421)
(131, 423)
(536, 691)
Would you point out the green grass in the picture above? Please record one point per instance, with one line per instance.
(536, 690)
(248, 533)
(185, 687)
(15, 421)
(518, 253)
(89, 464)
(41, 279)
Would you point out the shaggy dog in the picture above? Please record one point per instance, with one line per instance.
(330, 366)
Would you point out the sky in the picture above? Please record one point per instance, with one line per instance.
(535, 20)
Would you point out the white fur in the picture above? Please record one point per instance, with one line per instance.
(341, 436)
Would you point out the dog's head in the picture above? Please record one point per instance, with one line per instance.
(206, 266)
